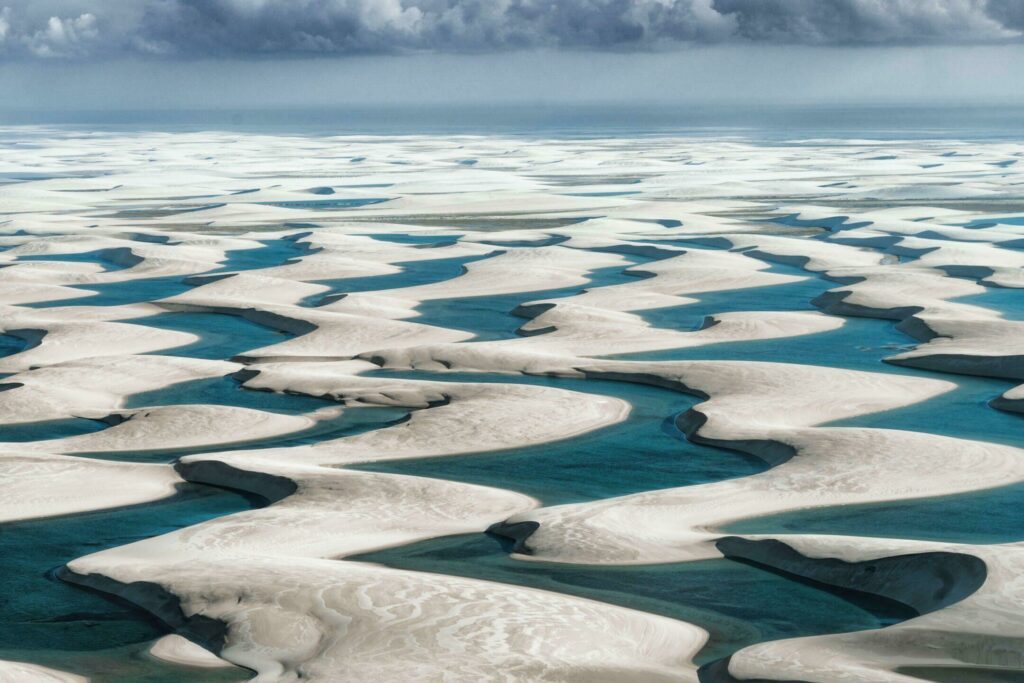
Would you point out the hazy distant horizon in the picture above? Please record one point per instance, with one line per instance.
(692, 76)
(771, 120)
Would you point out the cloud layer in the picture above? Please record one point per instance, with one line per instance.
(184, 29)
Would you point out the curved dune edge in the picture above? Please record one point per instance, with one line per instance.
(574, 330)
(23, 671)
(814, 466)
(16, 293)
(830, 467)
(1012, 400)
(327, 620)
(223, 582)
(971, 623)
(326, 511)
(595, 322)
(134, 260)
(956, 337)
(178, 427)
(52, 341)
(993, 348)
(96, 387)
(517, 270)
(321, 335)
(34, 485)
(178, 650)
(673, 281)
(566, 329)
(336, 255)
(461, 417)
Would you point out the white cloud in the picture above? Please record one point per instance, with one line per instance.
(64, 37)
(243, 28)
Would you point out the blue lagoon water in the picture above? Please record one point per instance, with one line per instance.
(270, 253)
(221, 336)
(491, 317)
(226, 391)
(738, 604)
(645, 452)
(49, 429)
(122, 292)
(413, 273)
(10, 345)
(46, 620)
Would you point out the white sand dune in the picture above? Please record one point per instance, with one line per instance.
(325, 511)
(830, 467)
(458, 417)
(335, 255)
(976, 637)
(36, 485)
(816, 256)
(52, 340)
(178, 650)
(321, 334)
(897, 293)
(749, 410)
(676, 279)
(1011, 400)
(586, 331)
(353, 622)
(456, 628)
(23, 672)
(96, 387)
(516, 270)
(994, 347)
(14, 292)
(896, 229)
(178, 427)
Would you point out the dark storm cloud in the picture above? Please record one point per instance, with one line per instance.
(372, 26)
(1009, 13)
(241, 28)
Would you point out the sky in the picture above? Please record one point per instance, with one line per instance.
(193, 54)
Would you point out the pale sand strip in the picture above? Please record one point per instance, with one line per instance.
(135, 260)
(288, 613)
(672, 281)
(335, 254)
(96, 387)
(23, 672)
(462, 417)
(958, 338)
(897, 292)
(52, 341)
(321, 335)
(830, 467)
(177, 650)
(993, 347)
(516, 270)
(813, 255)
(178, 427)
(34, 485)
(575, 330)
(972, 628)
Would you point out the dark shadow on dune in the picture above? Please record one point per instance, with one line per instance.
(919, 582)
